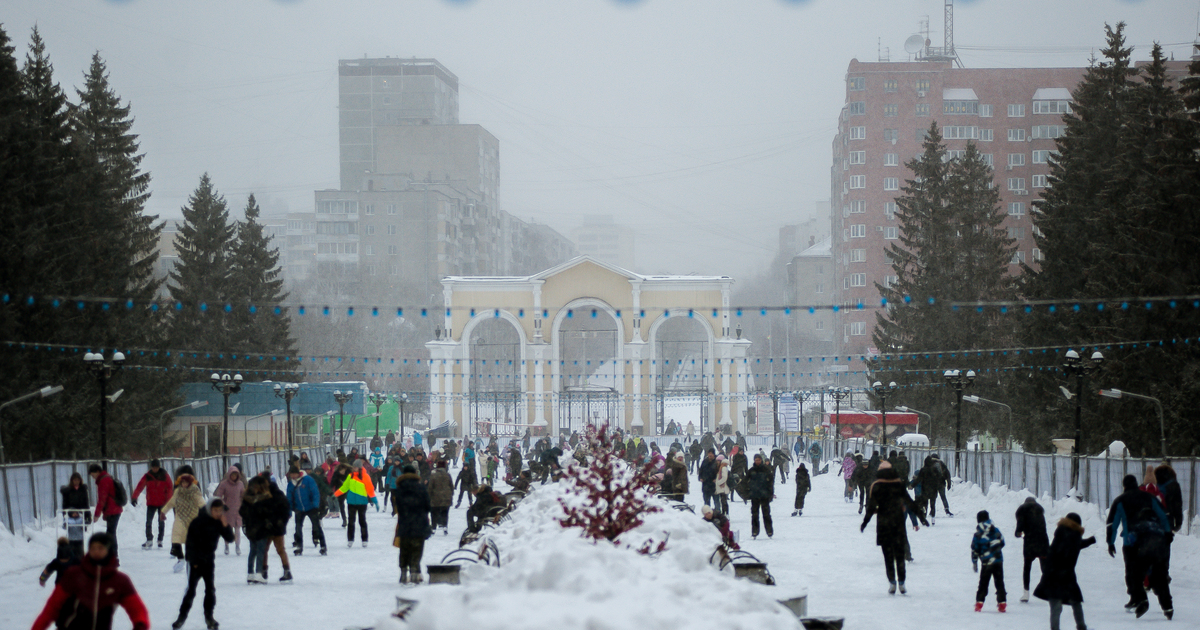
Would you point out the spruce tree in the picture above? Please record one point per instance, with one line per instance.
(201, 282)
(257, 283)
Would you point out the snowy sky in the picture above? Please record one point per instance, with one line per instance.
(704, 123)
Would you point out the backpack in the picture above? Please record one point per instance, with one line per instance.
(119, 494)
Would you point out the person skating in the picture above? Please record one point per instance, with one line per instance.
(862, 480)
(721, 492)
(987, 549)
(925, 485)
(107, 505)
(888, 498)
(803, 485)
(203, 535)
(814, 456)
(708, 476)
(186, 502)
(466, 482)
(336, 481)
(158, 486)
(848, 465)
(760, 484)
(77, 508)
(947, 482)
(255, 514)
(1059, 585)
(413, 505)
(88, 594)
(780, 460)
(1031, 526)
(304, 497)
(359, 492)
(64, 558)
(1124, 514)
(441, 495)
(738, 466)
(230, 492)
(1153, 552)
(1168, 486)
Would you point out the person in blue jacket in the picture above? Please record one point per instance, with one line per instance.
(305, 500)
(1126, 513)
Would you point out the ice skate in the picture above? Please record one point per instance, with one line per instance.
(364, 544)
(349, 544)
(227, 549)
(211, 624)
(324, 551)
(149, 544)
(1169, 613)
(179, 565)
(1025, 597)
(1141, 609)
(892, 588)
(287, 576)
(1002, 607)
(978, 606)
(903, 591)
(177, 624)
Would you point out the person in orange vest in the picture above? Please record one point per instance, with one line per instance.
(359, 491)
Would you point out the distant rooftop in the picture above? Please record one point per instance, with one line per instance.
(822, 248)
(396, 66)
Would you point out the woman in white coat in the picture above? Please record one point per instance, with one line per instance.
(721, 498)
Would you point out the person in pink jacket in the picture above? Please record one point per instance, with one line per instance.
(848, 465)
(230, 490)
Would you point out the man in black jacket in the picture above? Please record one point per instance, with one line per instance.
(708, 476)
(889, 499)
(760, 484)
(1126, 512)
(203, 534)
(1031, 526)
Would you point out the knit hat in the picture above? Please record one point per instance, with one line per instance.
(358, 464)
(720, 458)
(678, 457)
(706, 510)
(154, 463)
(409, 469)
(982, 516)
(1130, 483)
(1075, 517)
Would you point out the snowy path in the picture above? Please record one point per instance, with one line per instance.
(822, 551)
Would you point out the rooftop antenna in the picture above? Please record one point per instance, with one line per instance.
(914, 44)
(946, 52)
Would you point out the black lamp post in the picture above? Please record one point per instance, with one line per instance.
(287, 392)
(803, 397)
(104, 372)
(838, 394)
(402, 398)
(1074, 365)
(342, 398)
(377, 399)
(959, 381)
(227, 385)
(882, 391)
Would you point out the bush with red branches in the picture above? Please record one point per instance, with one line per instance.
(608, 497)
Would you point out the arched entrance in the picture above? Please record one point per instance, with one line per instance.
(682, 351)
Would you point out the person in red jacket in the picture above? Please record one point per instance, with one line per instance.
(158, 486)
(89, 593)
(106, 502)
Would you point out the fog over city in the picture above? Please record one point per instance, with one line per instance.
(703, 125)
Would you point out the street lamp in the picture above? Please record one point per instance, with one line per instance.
(976, 400)
(1116, 393)
(44, 392)
(287, 392)
(803, 397)
(246, 424)
(839, 394)
(104, 372)
(342, 398)
(377, 399)
(227, 385)
(1073, 365)
(162, 418)
(904, 409)
(402, 398)
(959, 381)
(882, 391)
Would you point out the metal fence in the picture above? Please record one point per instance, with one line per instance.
(1099, 477)
(31, 496)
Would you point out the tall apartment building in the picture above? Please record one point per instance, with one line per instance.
(418, 197)
(602, 238)
(1012, 114)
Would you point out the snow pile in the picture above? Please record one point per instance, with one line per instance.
(553, 578)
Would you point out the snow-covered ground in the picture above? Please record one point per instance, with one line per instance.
(551, 579)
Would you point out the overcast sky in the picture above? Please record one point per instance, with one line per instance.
(705, 124)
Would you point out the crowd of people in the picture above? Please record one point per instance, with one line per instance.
(418, 488)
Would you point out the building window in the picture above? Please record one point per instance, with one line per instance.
(858, 280)
(820, 323)
(370, 270)
(857, 84)
(953, 154)
(394, 270)
(960, 107)
(337, 207)
(1016, 208)
(337, 248)
(920, 135)
(891, 135)
(891, 232)
(1016, 183)
(858, 328)
(986, 135)
(890, 281)
(1036, 254)
(857, 108)
(391, 229)
(891, 183)
(985, 111)
(1052, 107)
(889, 210)
(368, 249)
(922, 109)
(1047, 131)
(1018, 257)
(1016, 159)
(858, 181)
(891, 85)
(858, 133)
(369, 209)
(391, 208)
(1042, 157)
(1016, 135)
(1016, 111)
(1040, 181)
(922, 85)
(891, 159)
(961, 133)
(858, 255)
(370, 230)
(858, 230)
(857, 207)
(1016, 233)
(987, 158)
(858, 157)
(820, 288)
(890, 110)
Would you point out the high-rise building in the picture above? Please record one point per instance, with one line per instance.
(1012, 114)
(602, 238)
